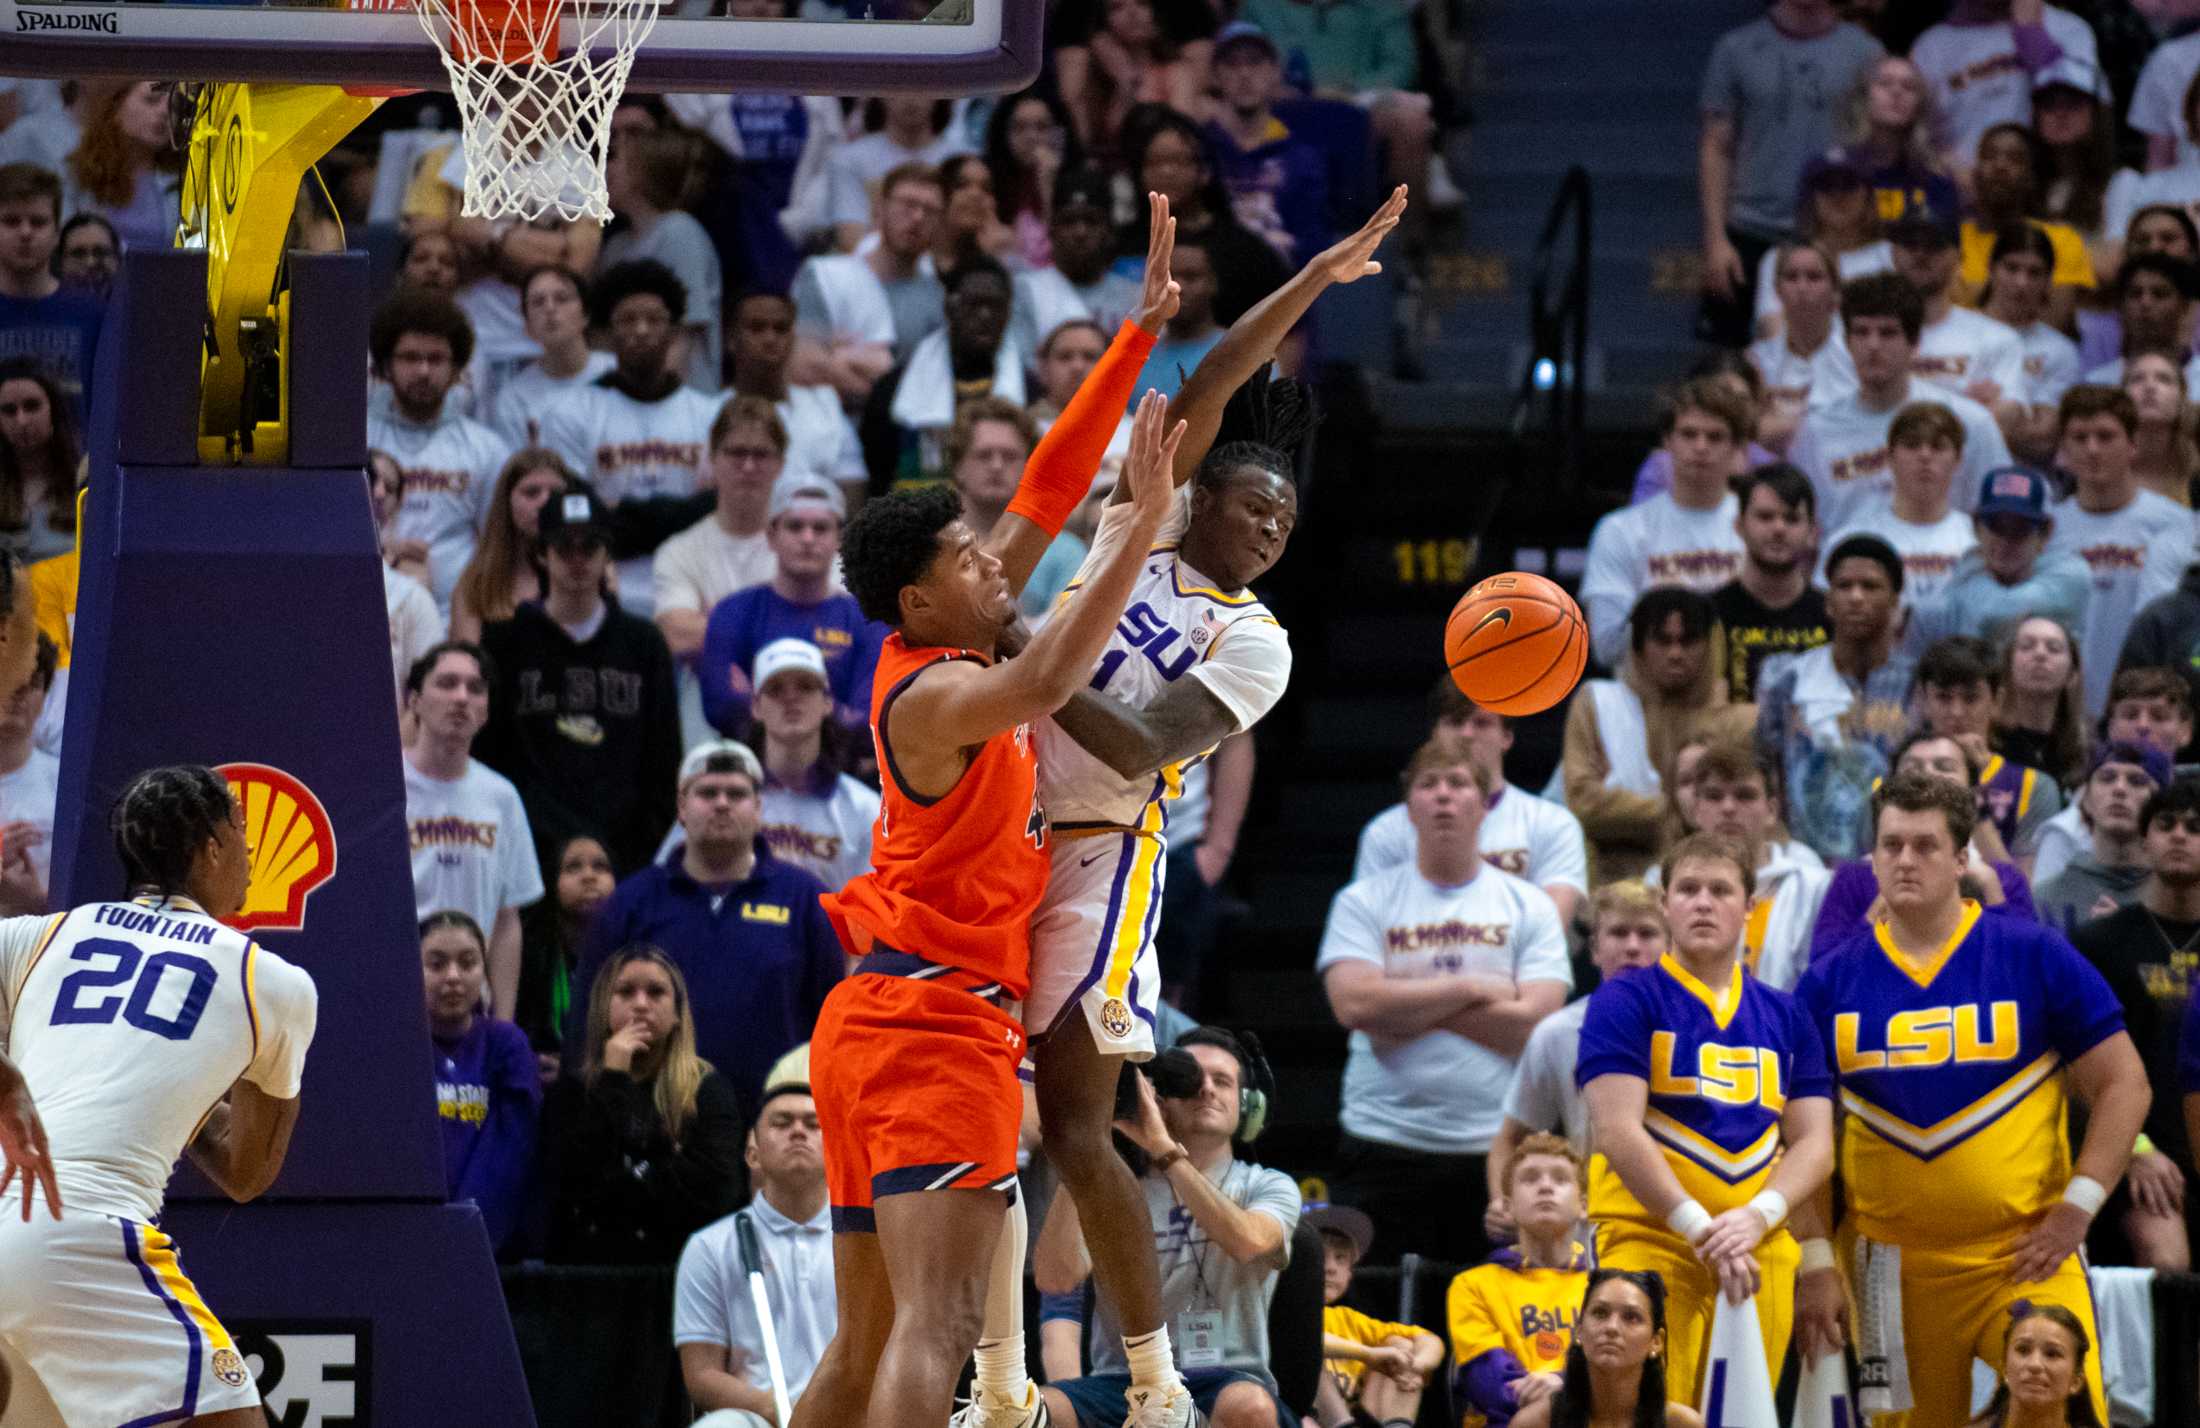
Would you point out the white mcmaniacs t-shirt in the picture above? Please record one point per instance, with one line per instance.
(1438, 1092)
(1842, 448)
(1654, 542)
(2136, 554)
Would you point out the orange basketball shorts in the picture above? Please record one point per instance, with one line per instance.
(915, 1084)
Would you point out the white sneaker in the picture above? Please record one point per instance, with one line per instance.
(984, 1410)
(1442, 194)
(1156, 1408)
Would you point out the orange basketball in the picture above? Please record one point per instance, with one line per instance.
(1516, 644)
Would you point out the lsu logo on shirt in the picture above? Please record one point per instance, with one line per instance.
(1954, 1062)
(1730, 1075)
(1926, 1036)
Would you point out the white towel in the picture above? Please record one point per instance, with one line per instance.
(856, 307)
(925, 400)
(1051, 300)
(1882, 1362)
(1822, 1394)
(1737, 1386)
(2123, 1310)
(1796, 891)
(1625, 735)
(1822, 697)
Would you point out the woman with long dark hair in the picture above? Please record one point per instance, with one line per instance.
(1615, 1371)
(2040, 719)
(970, 227)
(2043, 1379)
(41, 461)
(551, 934)
(1134, 55)
(502, 576)
(643, 1147)
(1029, 143)
(487, 1091)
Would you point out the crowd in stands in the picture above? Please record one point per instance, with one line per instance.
(1922, 519)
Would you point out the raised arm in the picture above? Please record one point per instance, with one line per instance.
(1253, 338)
(959, 703)
(23, 1149)
(1060, 471)
(242, 1145)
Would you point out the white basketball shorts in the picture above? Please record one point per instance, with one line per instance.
(1092, 940)
(100, 1310)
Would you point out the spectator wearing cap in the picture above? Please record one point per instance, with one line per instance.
(1831, 717)
(584, 713)
(1278, 183)
(2110, 872)
(1363, 52)
(714, 1325)
(816, 815)
(907, 417)
(857, 314)
(1981, 60)
(988, 447)
(729, 549)
(2136, 542)
(1081, 281)
(1959, 349)
(744, 927)
(2010, 184)
(1768, 104)
(472, 848)
(2154, 305)
(2011, 574)
(639, 433)
(1842, 446)
(798, 602)
(1371, 1366)
(1834, 209)
(821, 441)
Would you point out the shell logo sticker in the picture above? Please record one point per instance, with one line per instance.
(293, 845)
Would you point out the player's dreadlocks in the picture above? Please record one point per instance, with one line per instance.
(162, 820)
(891, 543)
(1266, 422)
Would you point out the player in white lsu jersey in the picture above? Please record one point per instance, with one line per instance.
(1195, 659)
(144, 1029)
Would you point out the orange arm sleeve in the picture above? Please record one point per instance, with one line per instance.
(1060, 472)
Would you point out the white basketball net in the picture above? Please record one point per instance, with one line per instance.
(535, 116)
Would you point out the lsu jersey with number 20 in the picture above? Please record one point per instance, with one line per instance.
(1951, 1076)
(1721, 1065)
(129, 1021)
(1092, 937)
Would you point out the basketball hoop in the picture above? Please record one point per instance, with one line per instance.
(535, 116)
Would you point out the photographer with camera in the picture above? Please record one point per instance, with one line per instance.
(1222, 1231)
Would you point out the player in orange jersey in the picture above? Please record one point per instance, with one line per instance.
(914, 1056)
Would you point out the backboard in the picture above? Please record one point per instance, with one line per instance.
(888, 46)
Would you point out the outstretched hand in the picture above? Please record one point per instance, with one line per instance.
(1158, 299)
(1355, 256)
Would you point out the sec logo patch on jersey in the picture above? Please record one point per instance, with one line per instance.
(293, 844)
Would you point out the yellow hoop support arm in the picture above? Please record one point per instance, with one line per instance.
(250, 147)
